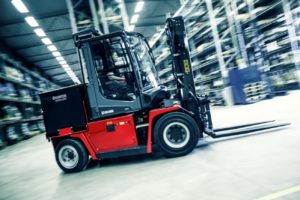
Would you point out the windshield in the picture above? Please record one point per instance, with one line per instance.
(147, 69)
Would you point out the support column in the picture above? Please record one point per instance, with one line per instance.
(124, 14)
(94, 15)
(103, 17)
(72, 16)
(74, 27)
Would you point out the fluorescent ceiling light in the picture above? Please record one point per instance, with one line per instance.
(71, 75)
(56, 53)
(52, 48)
(62, 62)
(46, 41)
(134, 19)
(67, 69)
(66, 66)
(39, 32)
(139, 6)
(20, 6)
(31, 21)
(70, 72)
(75, 80)
(131, 28)
(59, 58)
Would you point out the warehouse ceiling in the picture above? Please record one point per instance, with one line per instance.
(153, 14)
(52, 15)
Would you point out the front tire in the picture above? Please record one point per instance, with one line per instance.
(176, 134)
(71, 156)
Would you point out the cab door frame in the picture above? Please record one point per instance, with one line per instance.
(100, 106)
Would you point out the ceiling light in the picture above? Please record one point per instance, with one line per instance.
(130, 28)
(67, 69)
(46, 41)
(59, 58)
(62, 62)
(56, 53)
(134, 19)
(39, 32)
(139, 6)
(52, 48)
(77, 81)
(70, 72)
(66, 66)
(72, 75)
(74, 80)
(20, 6)
(31, 21)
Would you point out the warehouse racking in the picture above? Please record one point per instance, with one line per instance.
(224, 35)
(20, 114)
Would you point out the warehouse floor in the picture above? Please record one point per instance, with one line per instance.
(248, 167)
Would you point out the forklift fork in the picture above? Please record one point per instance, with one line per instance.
(244, 129)
(233, 130)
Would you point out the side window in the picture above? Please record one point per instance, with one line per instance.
(113, 68)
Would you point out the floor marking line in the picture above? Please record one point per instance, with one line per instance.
(281, 193)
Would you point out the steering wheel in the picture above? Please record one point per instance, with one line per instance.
(129, 76)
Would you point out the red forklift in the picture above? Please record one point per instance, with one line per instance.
(121, 109)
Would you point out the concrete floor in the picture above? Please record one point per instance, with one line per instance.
(240, 168)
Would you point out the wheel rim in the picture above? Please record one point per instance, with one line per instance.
(176, 135)
(68, 156)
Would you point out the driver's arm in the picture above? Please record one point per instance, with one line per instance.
(111, 76)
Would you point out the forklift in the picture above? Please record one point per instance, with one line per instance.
(121, 109)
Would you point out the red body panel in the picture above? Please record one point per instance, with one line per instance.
(152, 115)
(122, 134)
(86, 143)
(65, 131)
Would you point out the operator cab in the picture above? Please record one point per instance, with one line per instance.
(120, 74)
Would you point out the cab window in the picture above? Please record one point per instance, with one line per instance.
(113, 68)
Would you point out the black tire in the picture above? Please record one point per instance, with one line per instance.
(176, 134)
(71, 155)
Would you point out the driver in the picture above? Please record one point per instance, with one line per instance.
(113, 81)
(117, 86)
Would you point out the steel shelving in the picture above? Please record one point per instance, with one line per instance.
(20, 114)
(227, 34)
(208, 56)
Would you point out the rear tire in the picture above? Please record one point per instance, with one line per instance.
(176, 134)
(71, 155)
